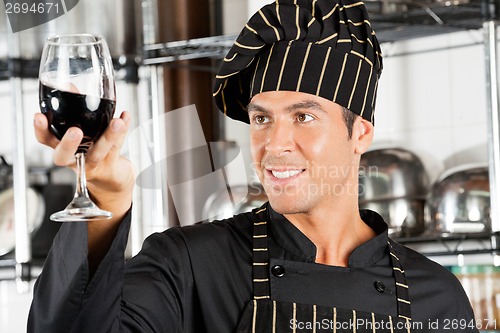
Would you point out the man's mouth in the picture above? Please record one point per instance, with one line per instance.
(285, 174)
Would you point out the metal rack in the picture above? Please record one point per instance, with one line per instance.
(418, 19)
(456, 244)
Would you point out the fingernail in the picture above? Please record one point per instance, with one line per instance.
(37, 122)
(72, 135)
(116, 126)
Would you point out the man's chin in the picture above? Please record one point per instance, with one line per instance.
(285, 206)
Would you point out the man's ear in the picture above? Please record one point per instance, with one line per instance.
(362, 134)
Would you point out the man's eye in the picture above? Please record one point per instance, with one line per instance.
(260, 119)
(303, 117)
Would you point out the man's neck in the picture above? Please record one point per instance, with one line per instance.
(335, 232)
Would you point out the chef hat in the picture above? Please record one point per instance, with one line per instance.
(321, 47)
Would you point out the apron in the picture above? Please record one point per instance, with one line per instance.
(265, 315)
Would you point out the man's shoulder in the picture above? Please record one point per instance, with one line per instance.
(433, 288)
(415, 263)
(235, 229)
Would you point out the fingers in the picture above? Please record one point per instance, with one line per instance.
(111, 141)
(64, 152)
(64, 149)
(42, 133)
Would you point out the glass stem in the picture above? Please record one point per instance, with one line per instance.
(81, 179)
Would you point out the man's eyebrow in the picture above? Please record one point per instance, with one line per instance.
(307, 104)
(255, 107)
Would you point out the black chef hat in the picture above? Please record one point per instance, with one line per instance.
(322, 47)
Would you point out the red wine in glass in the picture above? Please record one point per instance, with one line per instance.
(66, 109)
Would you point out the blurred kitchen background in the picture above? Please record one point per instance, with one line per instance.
(431, 171)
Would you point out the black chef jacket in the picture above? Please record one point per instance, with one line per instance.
(199, 278)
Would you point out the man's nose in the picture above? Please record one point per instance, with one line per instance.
(280, 138)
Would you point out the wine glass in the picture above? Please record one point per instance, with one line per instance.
(77, 88)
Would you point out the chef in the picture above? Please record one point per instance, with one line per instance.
(304, 75)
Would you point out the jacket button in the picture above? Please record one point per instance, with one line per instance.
(278, 270)
(379, 286)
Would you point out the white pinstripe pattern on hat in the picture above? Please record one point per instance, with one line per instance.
(331, 12)
(357, 24)
(226, 76)
(251, 29)
(269, 24)
(249, 47)
(218, 91)
(359, 40)
(366, 91)
(323, 70)
(265, 69)
(288, 64)
(362, 57)
(313, 13)
(297, 12)
(283, 65)
(224, 97)
(232, 58)
(303, 66)
(355, 84)
(254, 74)
(359, 3)
(327, 38)
(340, 77)
(278, 11)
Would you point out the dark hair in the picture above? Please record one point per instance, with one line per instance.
(349, 119)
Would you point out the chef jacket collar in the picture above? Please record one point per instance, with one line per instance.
(294, 241)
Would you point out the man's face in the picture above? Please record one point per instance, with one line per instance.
(301, 150)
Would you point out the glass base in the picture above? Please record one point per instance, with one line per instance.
(81, 215)
(81, 209)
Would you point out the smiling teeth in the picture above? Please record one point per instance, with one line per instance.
(285, 174)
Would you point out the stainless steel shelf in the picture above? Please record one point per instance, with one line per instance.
(418, 20)
(454, 244)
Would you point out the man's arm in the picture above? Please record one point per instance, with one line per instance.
(83, 285)
(110, 177)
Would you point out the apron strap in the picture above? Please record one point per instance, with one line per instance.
(402, 294)
(261, 285)
(260, 269)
